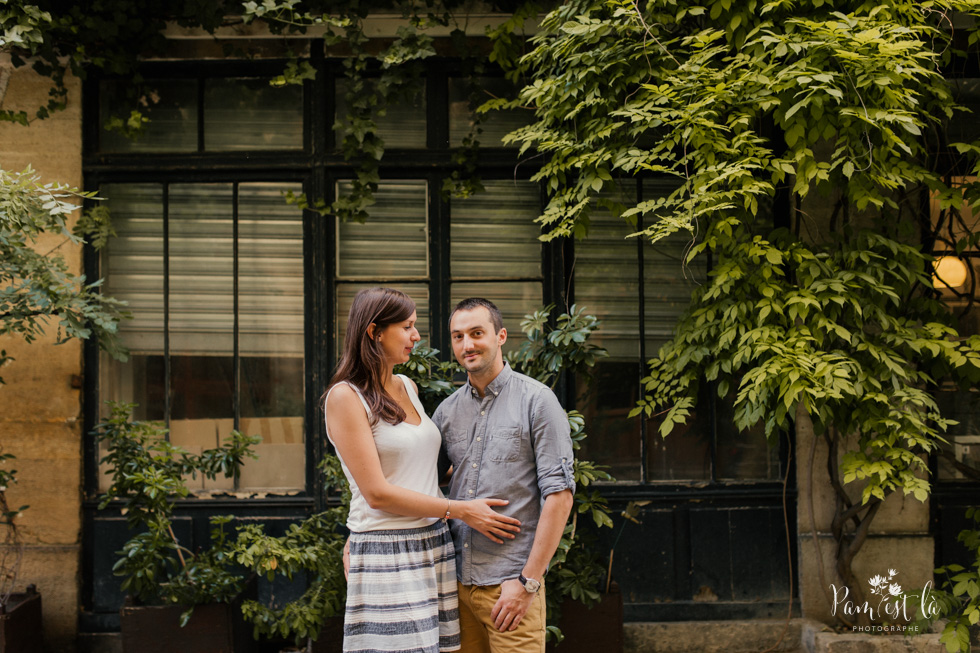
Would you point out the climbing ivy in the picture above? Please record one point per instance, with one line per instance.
(830, 322)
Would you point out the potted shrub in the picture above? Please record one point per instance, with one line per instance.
(314, 547)
(20, 612)
(178, 599)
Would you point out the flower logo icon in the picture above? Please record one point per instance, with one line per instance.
(884, 587)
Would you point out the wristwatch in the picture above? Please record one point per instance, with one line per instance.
(530, 585)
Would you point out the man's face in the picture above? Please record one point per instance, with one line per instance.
(476, 346)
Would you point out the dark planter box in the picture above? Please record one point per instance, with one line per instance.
(213, 628)
(20, 623)
(331, 638)
(590, 630)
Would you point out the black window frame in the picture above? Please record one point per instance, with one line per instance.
(319, 165)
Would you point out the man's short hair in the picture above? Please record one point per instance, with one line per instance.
(475, 302)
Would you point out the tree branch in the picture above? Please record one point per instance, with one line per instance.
(964, 469)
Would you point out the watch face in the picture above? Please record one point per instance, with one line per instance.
(532, 585)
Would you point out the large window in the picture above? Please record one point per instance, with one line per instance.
(213, 274)
(956, 276)
(240, 305)
(639, 291)
(240, 301)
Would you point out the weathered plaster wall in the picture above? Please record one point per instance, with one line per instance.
(40, 405)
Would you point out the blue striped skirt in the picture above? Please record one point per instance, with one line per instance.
(401, 591)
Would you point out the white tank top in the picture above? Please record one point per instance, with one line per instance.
(409, 454)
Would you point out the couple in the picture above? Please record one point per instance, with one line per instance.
(507, 439)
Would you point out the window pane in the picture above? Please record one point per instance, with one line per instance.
(402, 125)
(270, 287)
(345, 297)
(607, 284)
(202, 317)
(200, 228)
(515, 299)
(393, 242)
(132, 264)
(667, 280)
(270, 271)
(248, 114)
(685, 454)
(495, 124)
(745, 455)
(606, 400)
(964, 126)
(955, 281)
(171, 106)
(606, 270)
(964, 438)
(494, 233)
(201, 269)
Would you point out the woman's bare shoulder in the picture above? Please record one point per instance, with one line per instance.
(342, 396)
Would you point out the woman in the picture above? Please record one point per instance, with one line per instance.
(401, 590)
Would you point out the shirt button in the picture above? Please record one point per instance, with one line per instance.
(471, 491)
(479, 439)
(474, 465)
(483, 412)
(466, 546)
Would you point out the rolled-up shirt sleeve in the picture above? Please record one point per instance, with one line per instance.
(552, 442)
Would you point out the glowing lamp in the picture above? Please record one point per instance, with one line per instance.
(949, 271)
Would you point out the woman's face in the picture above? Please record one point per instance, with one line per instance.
(398, 339)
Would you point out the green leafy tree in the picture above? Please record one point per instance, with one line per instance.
(765, 110)
(36, 286)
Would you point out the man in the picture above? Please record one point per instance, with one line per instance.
(507, 437)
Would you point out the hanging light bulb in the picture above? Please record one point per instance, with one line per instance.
(948, 271)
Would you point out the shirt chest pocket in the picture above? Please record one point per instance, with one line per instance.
(504, 445)
(456, 444)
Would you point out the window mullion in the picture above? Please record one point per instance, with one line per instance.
(439, 266)
(166, 307)
(236, 324)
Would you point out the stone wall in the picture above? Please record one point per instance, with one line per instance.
(899, 537)
(40, 405)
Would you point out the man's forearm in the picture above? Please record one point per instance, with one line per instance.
(551, 525)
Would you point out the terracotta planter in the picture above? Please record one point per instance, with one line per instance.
(213, 628)
(589, 630)
(20, 623)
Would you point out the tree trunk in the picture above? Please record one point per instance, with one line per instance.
(803, 425)
(849, 542)
(6, 69)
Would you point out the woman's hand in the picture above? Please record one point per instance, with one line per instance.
(479, 516)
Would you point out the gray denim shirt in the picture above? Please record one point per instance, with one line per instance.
(513, 443)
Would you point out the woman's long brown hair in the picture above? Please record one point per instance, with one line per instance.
(362, 363)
